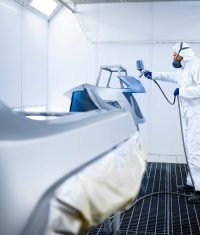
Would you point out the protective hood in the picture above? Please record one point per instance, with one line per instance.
(185, 51)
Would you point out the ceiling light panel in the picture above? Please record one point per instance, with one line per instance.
(46, 7)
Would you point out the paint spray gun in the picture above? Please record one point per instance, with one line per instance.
(142, 70)
(140, 67)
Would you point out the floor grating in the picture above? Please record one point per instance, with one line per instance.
(160, 214)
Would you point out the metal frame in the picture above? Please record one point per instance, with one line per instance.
(111, 69)
(67, 5)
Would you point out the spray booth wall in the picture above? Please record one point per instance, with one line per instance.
(23, 57)
(75, 46)
(120, 34)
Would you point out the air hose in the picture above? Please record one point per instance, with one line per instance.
(172, 103)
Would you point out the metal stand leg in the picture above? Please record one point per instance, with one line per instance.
(107, 227)
(112, 229)
(116, 223)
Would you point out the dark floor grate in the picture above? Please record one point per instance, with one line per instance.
(160, 214)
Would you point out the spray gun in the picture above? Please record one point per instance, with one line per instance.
(141, 69)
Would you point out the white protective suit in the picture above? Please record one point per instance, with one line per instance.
(188, 79)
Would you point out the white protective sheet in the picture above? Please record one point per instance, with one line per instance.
(108, 185)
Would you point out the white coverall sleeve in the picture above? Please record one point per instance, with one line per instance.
(166, 77)
(192, 92)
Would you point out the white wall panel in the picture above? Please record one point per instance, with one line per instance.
(88, 17)
(176, 20)
(165, 129)
(34, 59)
(10, 53)
(23, 57)
(125, 22)
(72, 59)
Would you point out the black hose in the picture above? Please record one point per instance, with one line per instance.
(172, 103)
(153, 194)
(156, 193)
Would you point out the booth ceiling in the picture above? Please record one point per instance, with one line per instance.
(117, 1)
(51, 7)
(104, 1)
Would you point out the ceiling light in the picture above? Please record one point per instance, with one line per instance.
(46, 7)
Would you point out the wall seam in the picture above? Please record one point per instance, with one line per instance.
(21, 54)
(98, 22)
(47, 67)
